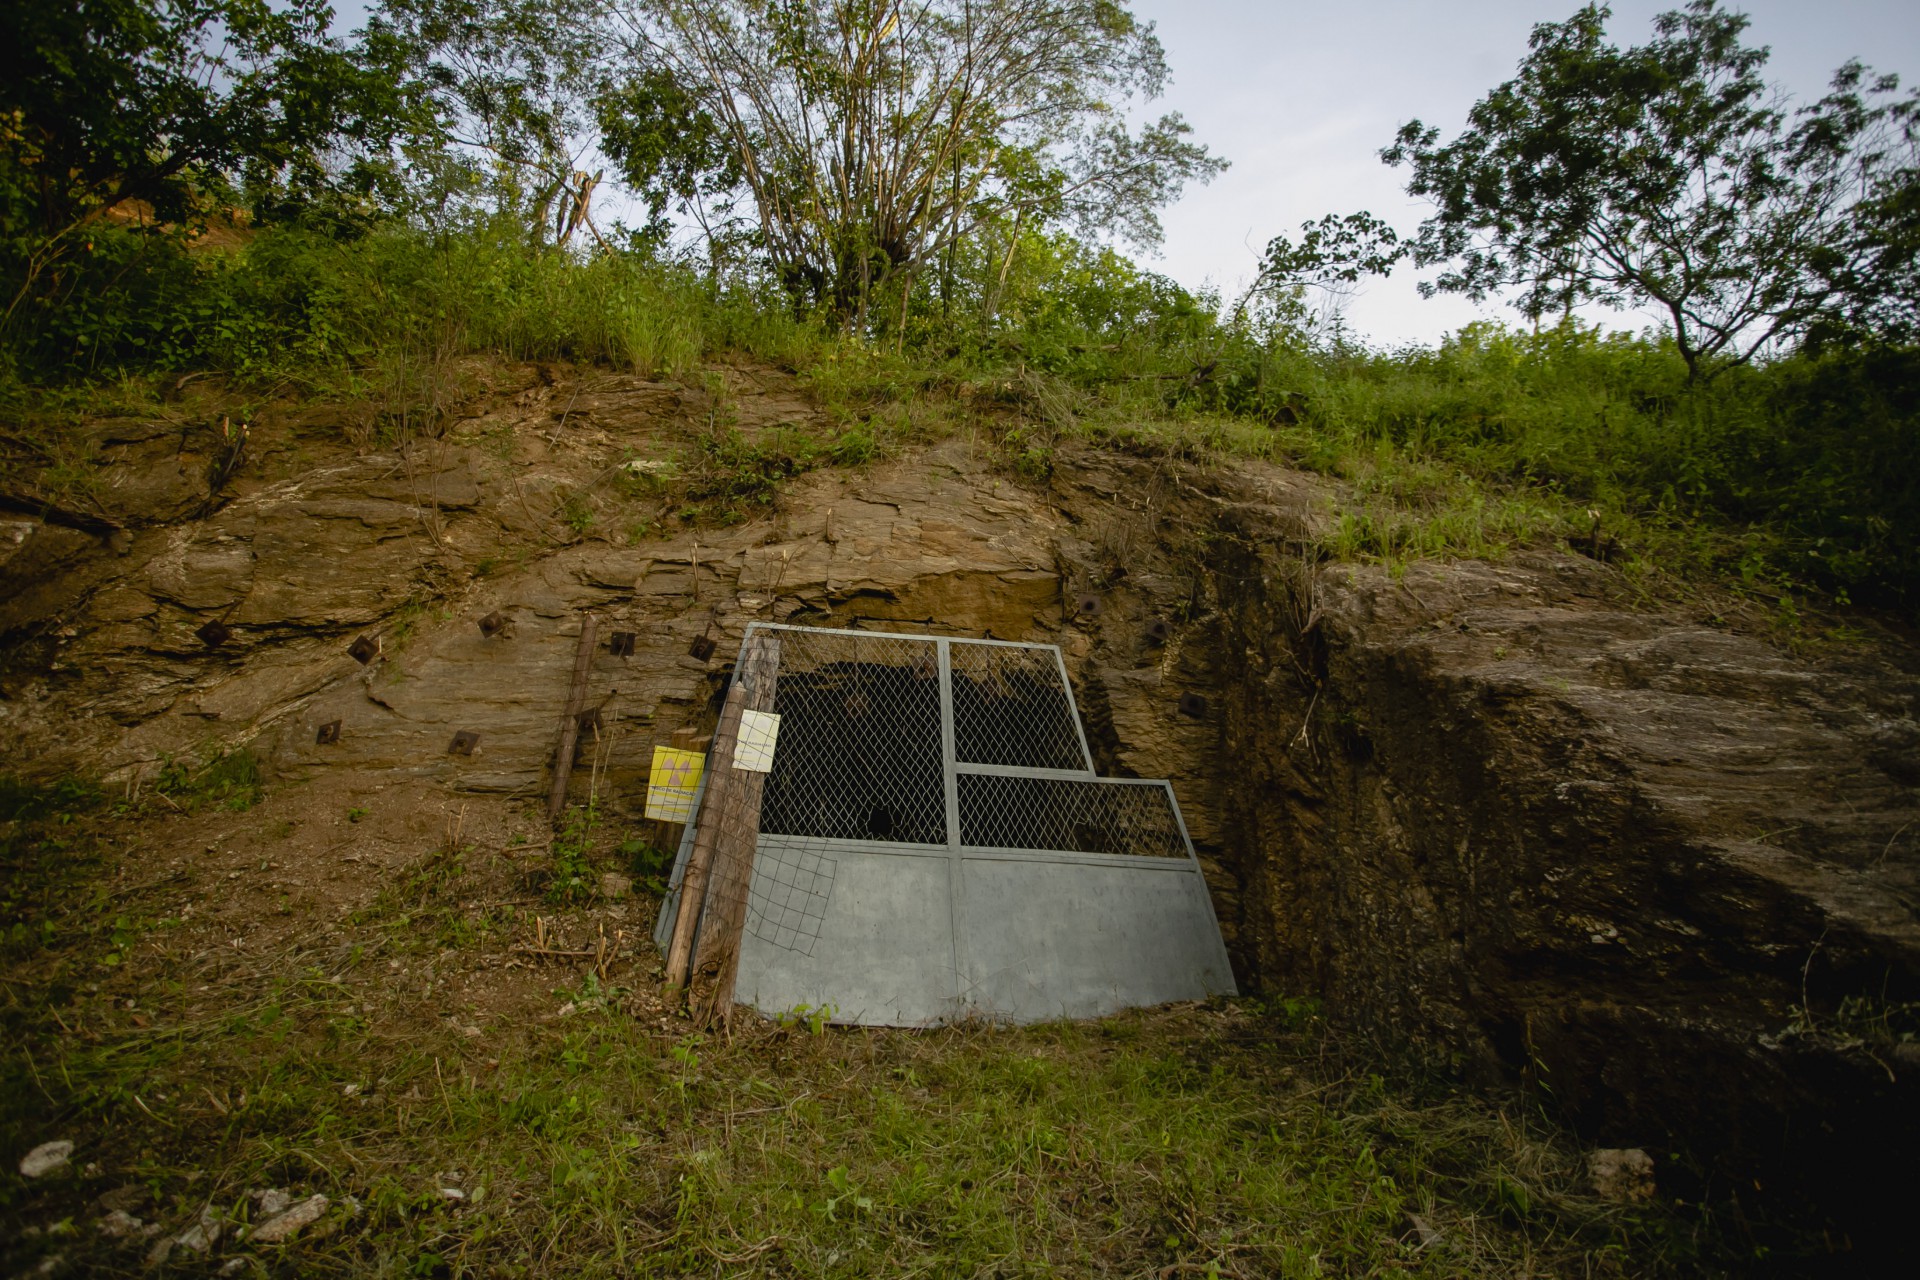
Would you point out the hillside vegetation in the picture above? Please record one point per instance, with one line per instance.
(426, 210)
(564, 1124)
(241, 247)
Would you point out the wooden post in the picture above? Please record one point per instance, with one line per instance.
(570, 723)
(717, 960)
(729, 817)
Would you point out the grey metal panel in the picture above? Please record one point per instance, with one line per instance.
(1171, 866)
(1050, 936)
(1085, 941)
(1029, 771)
(884, 955)
(833, 847)
(1073, 704)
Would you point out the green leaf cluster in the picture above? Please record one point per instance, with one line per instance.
(1670, 175)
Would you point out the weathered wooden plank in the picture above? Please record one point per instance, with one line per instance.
(570, 722)
(717, 961)
(727, 828)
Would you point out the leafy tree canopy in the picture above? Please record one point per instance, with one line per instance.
(496, 103)
(673, 154)
(161, 112)
(870, 136)
(1670, 175)
(167, 102)
(1337, 250)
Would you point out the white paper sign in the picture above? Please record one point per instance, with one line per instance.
(759, 730)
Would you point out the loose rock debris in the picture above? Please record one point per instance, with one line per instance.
(45, 1159)
(286, 1223)
(1623, 1174)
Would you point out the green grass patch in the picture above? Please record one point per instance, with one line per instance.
(588, 1134)
(229, 780)
(1795, 474)
(1208, 1142)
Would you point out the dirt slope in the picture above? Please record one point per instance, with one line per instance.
(1655, 869)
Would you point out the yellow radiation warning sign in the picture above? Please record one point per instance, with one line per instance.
(671, 786)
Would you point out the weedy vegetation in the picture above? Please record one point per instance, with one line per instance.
(1764, 442)
(228, 193)
(1237, 1139)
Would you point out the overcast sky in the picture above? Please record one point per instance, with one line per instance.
(1301, 97)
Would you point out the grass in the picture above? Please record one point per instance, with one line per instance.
(1777, 480)
(593, 1134)
(229, 780)
(1203, 1140)
(572, 873)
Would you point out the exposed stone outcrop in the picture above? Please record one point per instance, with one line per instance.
(1661, 872)
(112, 673)
(1656, 869)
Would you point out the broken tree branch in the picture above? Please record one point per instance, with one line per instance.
(570, 722)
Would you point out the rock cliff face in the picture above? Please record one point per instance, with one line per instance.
(112, 672)
(1659, 872)
(1653, 869)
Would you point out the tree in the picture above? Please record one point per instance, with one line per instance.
(496, 105)
(1875, 275)
(1670, 175)
(870, 136)
(1332, 256)
(672, 152)
(167, 106)
(1333, 252)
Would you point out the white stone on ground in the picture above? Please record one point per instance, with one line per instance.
(45, 1158)
(304, 1214)
(1621, 1173)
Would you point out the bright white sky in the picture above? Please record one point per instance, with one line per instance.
(1301, 97)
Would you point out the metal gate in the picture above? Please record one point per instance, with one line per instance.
(934, 844)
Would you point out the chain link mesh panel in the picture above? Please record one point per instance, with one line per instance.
(1011, 707)
(859, 753)
(1068, 814)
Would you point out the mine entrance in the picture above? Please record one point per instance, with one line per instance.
(934, 843)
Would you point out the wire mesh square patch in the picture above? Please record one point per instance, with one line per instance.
(1071, 815)
(859, 751)
(787, 901)
(1011, 707)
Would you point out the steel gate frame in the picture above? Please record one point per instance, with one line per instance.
(1133, 949)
